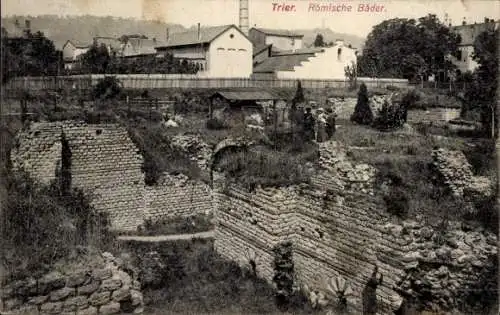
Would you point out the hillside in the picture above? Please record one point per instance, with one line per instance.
(84, 28)
(331, 36)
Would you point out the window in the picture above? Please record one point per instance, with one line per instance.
(231, 49)
(241, 49)
(339, 53)
(231, 36)
(220, 48)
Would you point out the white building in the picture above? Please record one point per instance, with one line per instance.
(220, 51)
(321, 63)
(463, 59)
(280, 39)
(72, 50)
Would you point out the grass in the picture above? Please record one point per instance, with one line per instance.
(198, 281)
(172, 226)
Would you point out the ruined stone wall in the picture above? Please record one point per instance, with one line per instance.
(177, 196)
(339, 227)
(106, 164)
(101, 288)
(249, 224)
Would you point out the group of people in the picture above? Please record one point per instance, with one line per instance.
(321, 129)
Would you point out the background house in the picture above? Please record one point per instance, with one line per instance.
(280, 39)
(463, 59)
(219, 51)
(134, 47)
(72, 51)
(321, 63)
(114, 45)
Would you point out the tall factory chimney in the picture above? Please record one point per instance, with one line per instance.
(244, 16)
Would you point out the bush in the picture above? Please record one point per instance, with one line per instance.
(216, 124)
(389, 117)
(397, 202)
(43, 225)
(362, 112)
(107, 88)
(283, 274)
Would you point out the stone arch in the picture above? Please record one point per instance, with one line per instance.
(225, 146)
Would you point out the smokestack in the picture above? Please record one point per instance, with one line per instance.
(167, 35)
(27, 24)
(244, 16)
(199, 32)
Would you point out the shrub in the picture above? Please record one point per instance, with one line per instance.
(107, 88)
(43, 225)
(389, 117)
(397, 202)
(362, 112)
(216, 124)
(283, 274)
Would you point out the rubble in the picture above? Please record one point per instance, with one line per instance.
(194, 147)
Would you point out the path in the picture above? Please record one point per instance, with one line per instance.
(167, 238)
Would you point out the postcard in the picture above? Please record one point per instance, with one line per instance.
(249, 157)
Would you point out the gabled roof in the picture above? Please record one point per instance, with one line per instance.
(112, 42)
(77, 44)
(469, 32)
(260, 48)
(247, 95)
(278, 32)
(140, 46)
(281, 63)
(206, 35)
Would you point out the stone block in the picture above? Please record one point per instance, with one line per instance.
(110, 308)
(7, 291)
(89, 288)
(110, 285)
(121, 294)
(61, 294)
(12, 304)
(87, 311)
(139, 310)
(77, 279)
(51, 308)
(50, 282)
(136, 297)
(75, 303)
(102, 274)
(100, 298)
(37, 300)
(25, 310)
(124, 277)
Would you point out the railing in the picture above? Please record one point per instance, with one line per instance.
(162, 81)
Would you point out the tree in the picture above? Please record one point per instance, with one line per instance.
(393, 46)
(299, 94)
(33, 55)
(96, 59)
(319, 42)
(362, 112)
(481, 92)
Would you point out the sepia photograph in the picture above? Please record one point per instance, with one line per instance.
(247, 157)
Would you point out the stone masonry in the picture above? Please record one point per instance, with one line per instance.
(102, 288)
(106, 164)
(342, 230)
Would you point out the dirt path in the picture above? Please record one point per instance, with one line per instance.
(167, 238)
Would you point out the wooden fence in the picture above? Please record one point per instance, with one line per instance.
(158, 81)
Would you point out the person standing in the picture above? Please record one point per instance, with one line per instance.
(308, 126)
(370, 306)
(330, 123)
(321, 136)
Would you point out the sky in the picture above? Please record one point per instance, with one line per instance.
(303, 15)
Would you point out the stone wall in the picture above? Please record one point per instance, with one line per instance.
(340, 228)
(101, 288)
(106, 164)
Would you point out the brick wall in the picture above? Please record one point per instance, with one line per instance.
(341, 229)
(106, 164)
